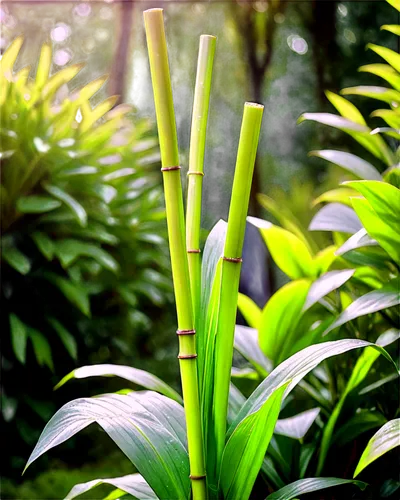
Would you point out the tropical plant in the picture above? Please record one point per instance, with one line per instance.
(215, 446)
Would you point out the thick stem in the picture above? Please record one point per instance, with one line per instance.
(160, 75)
(246, 156)
(196, 163)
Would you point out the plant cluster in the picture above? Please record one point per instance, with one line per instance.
(340, 299)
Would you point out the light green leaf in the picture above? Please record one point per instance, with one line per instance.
(147, 427)
(392, 118)
(377, 300)
(250, 310)
(133, 484)
(16, 259)
(37, 204)
(395, 4)
(379, 93)
(289, 252)
(393, 28)
(390, 56)
(76, 208)
(296, 427)
(325, 284)
(19, 338)
(339, 195)
(134, 375)
(352, 163)
(246, 342)
(336, 217)
(10, 56)
(377, 228)
(302, 486)
(384, 71)
(66, 338)
(387, 438)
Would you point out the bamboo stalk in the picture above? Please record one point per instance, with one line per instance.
(231, 265)
(157, 49)
(196, 164)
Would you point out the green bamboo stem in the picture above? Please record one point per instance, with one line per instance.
(231, 266)
(196, 163)
(157, 49)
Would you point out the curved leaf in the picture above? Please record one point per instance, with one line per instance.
(134, 375)
(359, 239)
(379, 93)
(147, 427)
(37, 204)
(325, 284)
(246, 342)
(133, 484)
(16, 259)
(387, 438)
(66, 338)
(296, 427)
(350, 162)
(19, 338)
(392, 57)
(76, 208)
(384, 71)
(302, 486)
(392, 28)
(339, 195)
(336, 217)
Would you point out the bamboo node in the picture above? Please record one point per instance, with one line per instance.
(194, 478)
(192, 172)
(187, 356)
(186, 332)
(169, 169)
(194, 250)
(236, 260)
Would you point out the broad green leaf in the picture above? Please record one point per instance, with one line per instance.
(360, 423)
(387, 438)
(16, 259)
(44, 244)
(325, 284)
(310, 484)
(133, 484)
(393, 28)
(19, 338)
(41, 348)
(250, 310)
(296, 427)
(279, 320)
(384, 71)
(246, 342)
(339, 195)
(76, 208)
(371, 302)
(357, 166)
(245, 450)
(134, 375)
(345, 108)
(336, 217)
(383, 198)
(390, 56)
(288, 251)
(66, 338)
(37, 204)
(377, 228)
(75, 293)
(379, 93)
(359, 239)
(147, 427)
(68, 250)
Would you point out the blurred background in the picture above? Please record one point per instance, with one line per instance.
(99, 291)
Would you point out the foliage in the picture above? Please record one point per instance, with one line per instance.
(351, 298)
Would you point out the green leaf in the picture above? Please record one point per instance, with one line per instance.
(345, 108)
(75, 293)
(335, 121)
(361, 422)
(393, 28)
(279, 320)
(250, 310)
(392, 118)
(236, 401)
(359, 239)
(387, 438)
(395, 4)
(336, 217)
(36, 204)
(325, 284)
(133, 484)
(377, 228)
(302, 486)
(10, 55)
(134, 375)
(66, 338)
(44, 244)
(68, 250)
(245, 450)
(246, 342)
(147, 427)
(296, 427)
(352, 163)
(76, 208)
(339, 195)
(384, 71)
(377, 300)
(379, 93)
(16, 259)
(19, 338)
(41, 348)
(289, 252)
(390, 56)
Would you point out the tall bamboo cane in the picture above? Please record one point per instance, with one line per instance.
(160, 75)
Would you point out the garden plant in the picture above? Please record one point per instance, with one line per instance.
(316, 344)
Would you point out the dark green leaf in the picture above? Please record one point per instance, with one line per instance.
(75, 293)
(16, 259)
(19, 338)
(66, 338)
(302, 486)
(41, 348)
(44, 244)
